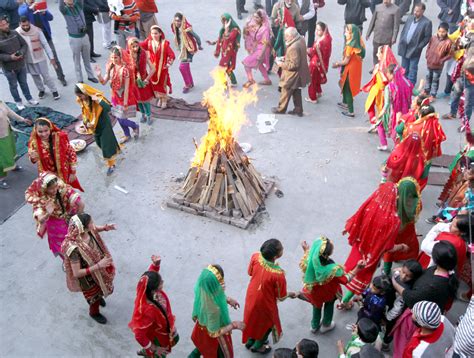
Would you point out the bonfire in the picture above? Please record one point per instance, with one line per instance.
(222, 183)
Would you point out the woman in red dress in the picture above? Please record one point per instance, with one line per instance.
(267, 286)
(407, 160)
(49, 147)
(228, 44)
(162, 57)
(143, 71)
(322, 282)
(212, 333)
(319, 56)
(153, 322)
(119, 71)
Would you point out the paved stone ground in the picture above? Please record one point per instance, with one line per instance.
(325, 164)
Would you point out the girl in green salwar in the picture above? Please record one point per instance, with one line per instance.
(95, 116)
(7, 142)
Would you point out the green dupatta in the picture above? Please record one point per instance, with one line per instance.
(210, 302)
(356, 41)
(409, 200)
(233, 25)
(315, 272)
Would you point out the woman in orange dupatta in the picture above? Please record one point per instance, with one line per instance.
(162, 57)
(351, 68)
(267, 286)
(88, 263)
(49, 147)
(153, 322)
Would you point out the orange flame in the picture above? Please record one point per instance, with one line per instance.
(226, 112)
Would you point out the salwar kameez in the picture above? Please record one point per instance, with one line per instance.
(7, 153)
(228, 44)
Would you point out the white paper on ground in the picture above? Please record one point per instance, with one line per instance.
(266, 123)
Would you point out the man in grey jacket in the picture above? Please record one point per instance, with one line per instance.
(354, 13)
(415, 36)
(384, 24)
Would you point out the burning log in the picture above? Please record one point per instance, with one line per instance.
(222, 183)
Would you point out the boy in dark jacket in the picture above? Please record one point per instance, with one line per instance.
(437, 53)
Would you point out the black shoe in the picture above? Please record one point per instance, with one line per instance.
(93, 61)
(41, 94)
(239, 16)
(294, 113)
(99, 318)
(244, 11)
(56, 96)
(18, 168)
(102, 302)
(93, 80)
(93, 54)
(63, 82)
(276, 111)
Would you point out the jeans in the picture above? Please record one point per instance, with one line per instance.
(468, 99)
(14, 78)
(432, 82)
(456, 94)
(411, 68)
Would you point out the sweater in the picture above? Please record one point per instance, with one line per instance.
(147, 6)
(428, 287)
(354, 13)
(438, 52)
(74, 16)
(40, 19)
(38, 47)
(10, 43)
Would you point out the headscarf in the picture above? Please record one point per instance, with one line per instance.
(91, 110)
(250, 36)
(64, 202)
(402, 101)
(374, 227)
(316, 273)
(388, 58)
(60, 152)
(407, 159)
(355, 41)
(427, 314)
(409, 200)
(431, 132)
(104, 277)
(189, 43)
(210, 302)
(233, 25)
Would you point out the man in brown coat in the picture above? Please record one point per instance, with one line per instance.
(295, 73)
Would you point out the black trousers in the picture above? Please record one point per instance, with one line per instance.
(240, 6)
(90, 32)
(312, 28)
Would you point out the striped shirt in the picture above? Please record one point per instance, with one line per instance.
(130, 9)
(464, 340)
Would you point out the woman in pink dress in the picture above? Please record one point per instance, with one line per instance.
(257, 33)
(319, 55)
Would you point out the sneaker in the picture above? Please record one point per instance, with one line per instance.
(110, 170)
(4, 185)
(324, 329)
(33, 102)
(20, 105)
(56, 96)
(382, 148)
(342, 105)
(63, 82)
(93, 80)
(314, 330)
(99, 318)
(348, 114)
(41, 94)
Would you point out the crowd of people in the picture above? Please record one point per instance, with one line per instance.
(403, 308)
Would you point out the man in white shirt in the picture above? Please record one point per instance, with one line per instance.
(307, 12)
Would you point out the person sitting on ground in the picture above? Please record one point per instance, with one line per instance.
(374, 299)
(364, 334)
(434, 336)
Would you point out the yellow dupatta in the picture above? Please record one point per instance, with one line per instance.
(91, 114)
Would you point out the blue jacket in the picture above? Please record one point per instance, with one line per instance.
(45, 18)
(10, 8)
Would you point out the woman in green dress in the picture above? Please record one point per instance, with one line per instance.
(7, 142)
(95, 115)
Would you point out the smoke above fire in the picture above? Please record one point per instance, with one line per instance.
(226, 115)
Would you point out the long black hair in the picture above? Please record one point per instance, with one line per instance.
(465, 225)
(85, 219)
(154, 281)
(57, 197)
(444, 255)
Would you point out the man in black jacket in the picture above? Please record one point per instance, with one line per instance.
(415, 36)
(354, 12)
(90, 10)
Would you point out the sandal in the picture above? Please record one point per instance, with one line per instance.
(124, 139)
(248, 84)
(265, 83)
(345, 306)
(266, 349)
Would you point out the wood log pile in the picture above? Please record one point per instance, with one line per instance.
(226, 187)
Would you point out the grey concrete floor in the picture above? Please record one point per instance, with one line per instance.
(325, 164)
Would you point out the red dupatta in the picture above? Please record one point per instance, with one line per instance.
(60, 159)
(374, 227)
(407, 159)
(320, 54)
(189, 42)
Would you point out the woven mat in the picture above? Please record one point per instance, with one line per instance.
(444, 161)
(438, 179)
(180, 110)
